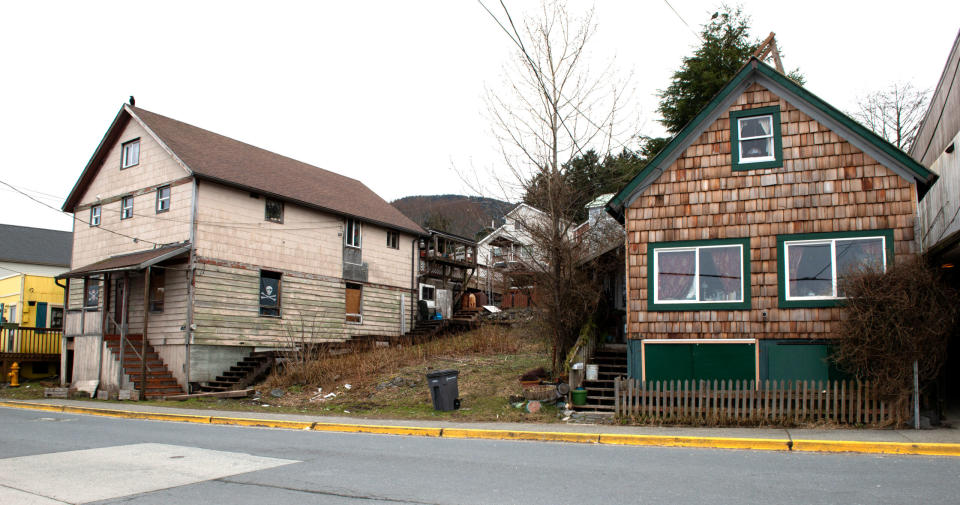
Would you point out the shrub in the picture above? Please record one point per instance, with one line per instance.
(891, 320)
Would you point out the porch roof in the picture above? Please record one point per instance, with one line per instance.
(131, 261)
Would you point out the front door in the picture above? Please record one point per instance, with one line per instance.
(41, 319)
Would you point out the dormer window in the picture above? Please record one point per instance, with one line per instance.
(130, 154)
(755, 141)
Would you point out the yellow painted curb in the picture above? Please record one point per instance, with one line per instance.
(761, 444)
(543, 436)
(262, 423)
(33, 406)
(923, 449)
(383, 430)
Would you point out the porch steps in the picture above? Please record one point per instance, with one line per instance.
(246, 372)
(600, 400)
(160, 382)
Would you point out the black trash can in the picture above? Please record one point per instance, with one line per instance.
(443, 389)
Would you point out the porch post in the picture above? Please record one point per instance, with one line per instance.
(123, 325)
(146, 322)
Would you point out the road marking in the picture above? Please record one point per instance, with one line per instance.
(111, 472)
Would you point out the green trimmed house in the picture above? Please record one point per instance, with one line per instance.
(740, 228)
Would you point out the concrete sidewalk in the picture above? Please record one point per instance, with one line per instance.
(943, 441)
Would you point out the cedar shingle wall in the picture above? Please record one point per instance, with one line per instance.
(825, 185)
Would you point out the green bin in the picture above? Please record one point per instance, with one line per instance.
(579, 396)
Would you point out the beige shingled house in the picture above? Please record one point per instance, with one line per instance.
(210, 249)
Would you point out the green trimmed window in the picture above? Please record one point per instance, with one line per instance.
(811, 267)
(755, 141)
(698, 275)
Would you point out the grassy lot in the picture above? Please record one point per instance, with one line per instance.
(391, 383)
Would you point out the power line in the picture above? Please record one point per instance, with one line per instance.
(135, 239)
(683, 21)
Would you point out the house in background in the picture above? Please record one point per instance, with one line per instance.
(505, 253)
(738, 231)
(602, 238)
(195, 250)
(30, 259)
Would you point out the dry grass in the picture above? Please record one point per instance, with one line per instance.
(390, 383)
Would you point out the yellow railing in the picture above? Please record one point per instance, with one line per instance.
(25, 340)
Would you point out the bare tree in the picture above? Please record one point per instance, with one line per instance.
(553, 108)
(894, 113)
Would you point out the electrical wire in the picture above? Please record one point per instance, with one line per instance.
(684, 21)
(135, 239)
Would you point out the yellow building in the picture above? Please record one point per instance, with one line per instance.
(30, 258)
(31, 302)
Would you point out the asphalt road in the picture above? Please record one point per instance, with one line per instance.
(51, 458)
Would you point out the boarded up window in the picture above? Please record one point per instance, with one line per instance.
(354, 303)
(158, 284)
(270, 293)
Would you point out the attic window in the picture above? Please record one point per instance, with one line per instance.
(393, 240)
(130, 154)
(273, 210)
(755, 141)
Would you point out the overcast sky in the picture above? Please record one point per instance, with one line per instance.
(387, 92)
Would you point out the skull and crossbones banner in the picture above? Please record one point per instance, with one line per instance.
(269, 292)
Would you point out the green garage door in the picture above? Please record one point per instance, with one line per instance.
(798, 362)
(708, 361)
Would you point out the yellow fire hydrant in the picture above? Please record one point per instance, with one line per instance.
(14, 375)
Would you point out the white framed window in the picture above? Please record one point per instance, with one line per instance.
(163, 199)
(126, 207)
(352, 232)
(95, 215)
(814, 269)
(755, 139)
(696, 275)
(130, 154)
(393, 240)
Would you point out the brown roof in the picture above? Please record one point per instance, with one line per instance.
(214, 157)
(131, 261)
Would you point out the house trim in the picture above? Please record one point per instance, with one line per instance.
(755, 71)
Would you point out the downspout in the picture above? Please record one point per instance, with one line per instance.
(99, 343)
(191, 277)
(20, 306)
(124, 307)
(413, 279)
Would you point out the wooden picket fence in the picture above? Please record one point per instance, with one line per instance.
(747, 402)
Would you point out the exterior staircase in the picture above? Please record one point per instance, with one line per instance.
(246, 372)
(160, 382)
(612, 361)
(466, 318)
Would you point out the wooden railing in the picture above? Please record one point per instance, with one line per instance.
(741, 401)
(24, 340)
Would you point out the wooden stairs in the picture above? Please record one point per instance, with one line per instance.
(160, 382)
(612, 363)
(246, 372)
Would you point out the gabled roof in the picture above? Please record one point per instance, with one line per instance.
(214, 157)
(756, 71)
(36, 246)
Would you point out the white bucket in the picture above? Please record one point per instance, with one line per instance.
(593, 372)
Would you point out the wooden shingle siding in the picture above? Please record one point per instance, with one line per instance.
(825, 185)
